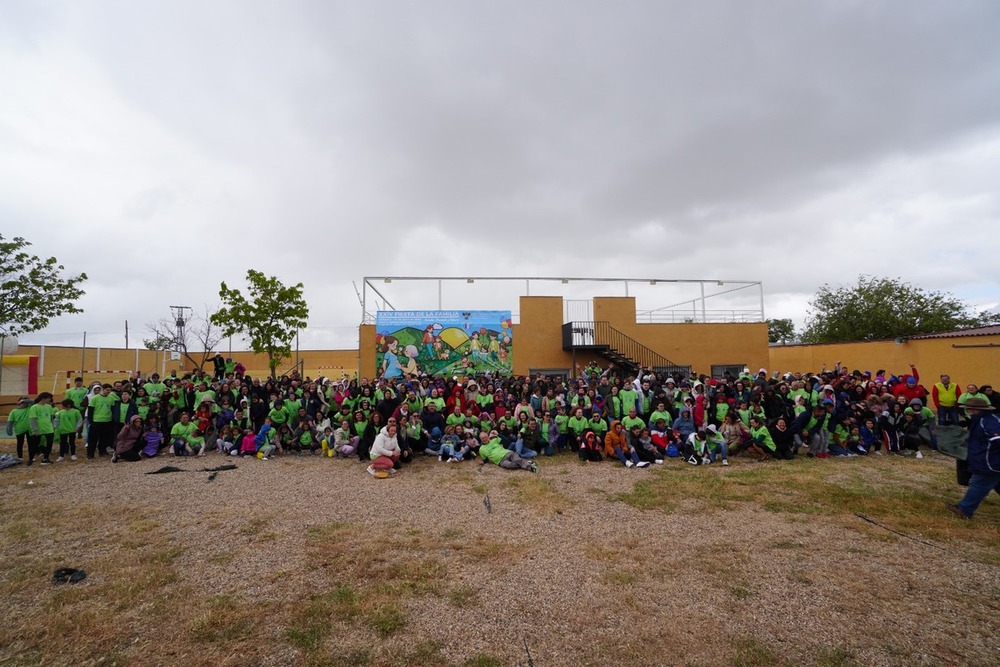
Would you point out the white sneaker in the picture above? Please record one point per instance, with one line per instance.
(919, 455)
(642, 464)
(725, 462)
(658, 462)
(73, 458)
(59, 459)
(263, 458)
(371, 471)
(628, 464)
(706, 461)
(878, 452)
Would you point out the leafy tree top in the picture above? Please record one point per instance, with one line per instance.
(269, 316)
(880, 308)
(33, 290)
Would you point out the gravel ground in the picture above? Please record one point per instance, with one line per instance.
(561, 566)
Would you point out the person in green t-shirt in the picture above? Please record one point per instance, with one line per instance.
(17, 424)
(100, 431)
(40, 429)
(633, 419)
(69, 424)
(181, 434)
(76, 393)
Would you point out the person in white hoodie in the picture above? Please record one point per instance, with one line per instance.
(384, 453)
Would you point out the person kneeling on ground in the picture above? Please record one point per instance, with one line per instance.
(384, 453)
(761, 443)
(492, 450)
(129, 442)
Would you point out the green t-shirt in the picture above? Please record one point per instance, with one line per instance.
(665, 416)
(599, 427)
(182, 430)
(19, 418)
(628, 398)
(562, 421)
(103, 406)
(763, 438)
(67, 420)
(41, 413)
(76, 395)
(629, 422)
(578, 424)
(154, 390)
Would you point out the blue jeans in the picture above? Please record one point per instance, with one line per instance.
(621, 455)
(720, 447)
(980, 486)
(948, 415)
(522, 451)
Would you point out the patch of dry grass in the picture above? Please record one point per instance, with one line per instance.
(312, 577)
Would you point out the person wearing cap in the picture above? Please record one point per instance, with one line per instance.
(983, 458)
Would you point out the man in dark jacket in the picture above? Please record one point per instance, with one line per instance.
(983, 457)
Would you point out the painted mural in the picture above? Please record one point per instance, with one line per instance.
(443, 342)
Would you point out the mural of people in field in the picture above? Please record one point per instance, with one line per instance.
(443, 342)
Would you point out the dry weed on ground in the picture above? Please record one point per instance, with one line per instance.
(309, 561)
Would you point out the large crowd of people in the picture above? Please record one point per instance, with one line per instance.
(636, 419)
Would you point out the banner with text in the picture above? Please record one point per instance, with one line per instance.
(443, 342)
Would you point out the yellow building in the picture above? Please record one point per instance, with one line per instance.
(968, 356)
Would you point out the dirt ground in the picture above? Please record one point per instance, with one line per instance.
(310, 561)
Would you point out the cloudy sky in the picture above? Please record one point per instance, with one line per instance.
(163, 148)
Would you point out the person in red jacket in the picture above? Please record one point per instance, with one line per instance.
(910, 387)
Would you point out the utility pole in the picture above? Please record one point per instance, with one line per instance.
(180, 322)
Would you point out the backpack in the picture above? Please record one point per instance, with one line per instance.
(672, 450)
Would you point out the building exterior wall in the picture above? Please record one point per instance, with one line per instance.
(932, 357)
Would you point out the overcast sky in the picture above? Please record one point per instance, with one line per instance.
(163, 148)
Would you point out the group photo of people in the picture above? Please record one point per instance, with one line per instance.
(605, 414)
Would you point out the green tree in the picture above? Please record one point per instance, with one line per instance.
(33, 290)
(881, 308)
(270, 316)
(780, 330)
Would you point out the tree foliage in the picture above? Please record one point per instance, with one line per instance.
(33, 290)
(881, 308)
(195, 340)
(269, 316)
(780, 330)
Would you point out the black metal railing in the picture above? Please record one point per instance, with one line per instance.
(616, 346)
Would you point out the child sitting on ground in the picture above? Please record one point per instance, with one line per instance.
(452, 449)
(343, 442)
(153, 439)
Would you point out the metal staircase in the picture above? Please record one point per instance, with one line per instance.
(616, 346)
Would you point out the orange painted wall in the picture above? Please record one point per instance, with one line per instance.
(538, 337)
(931, 356)
(54, 361)
(699, 346)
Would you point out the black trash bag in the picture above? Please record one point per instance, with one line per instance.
(68, 575)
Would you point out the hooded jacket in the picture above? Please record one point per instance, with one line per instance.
(615, 438)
